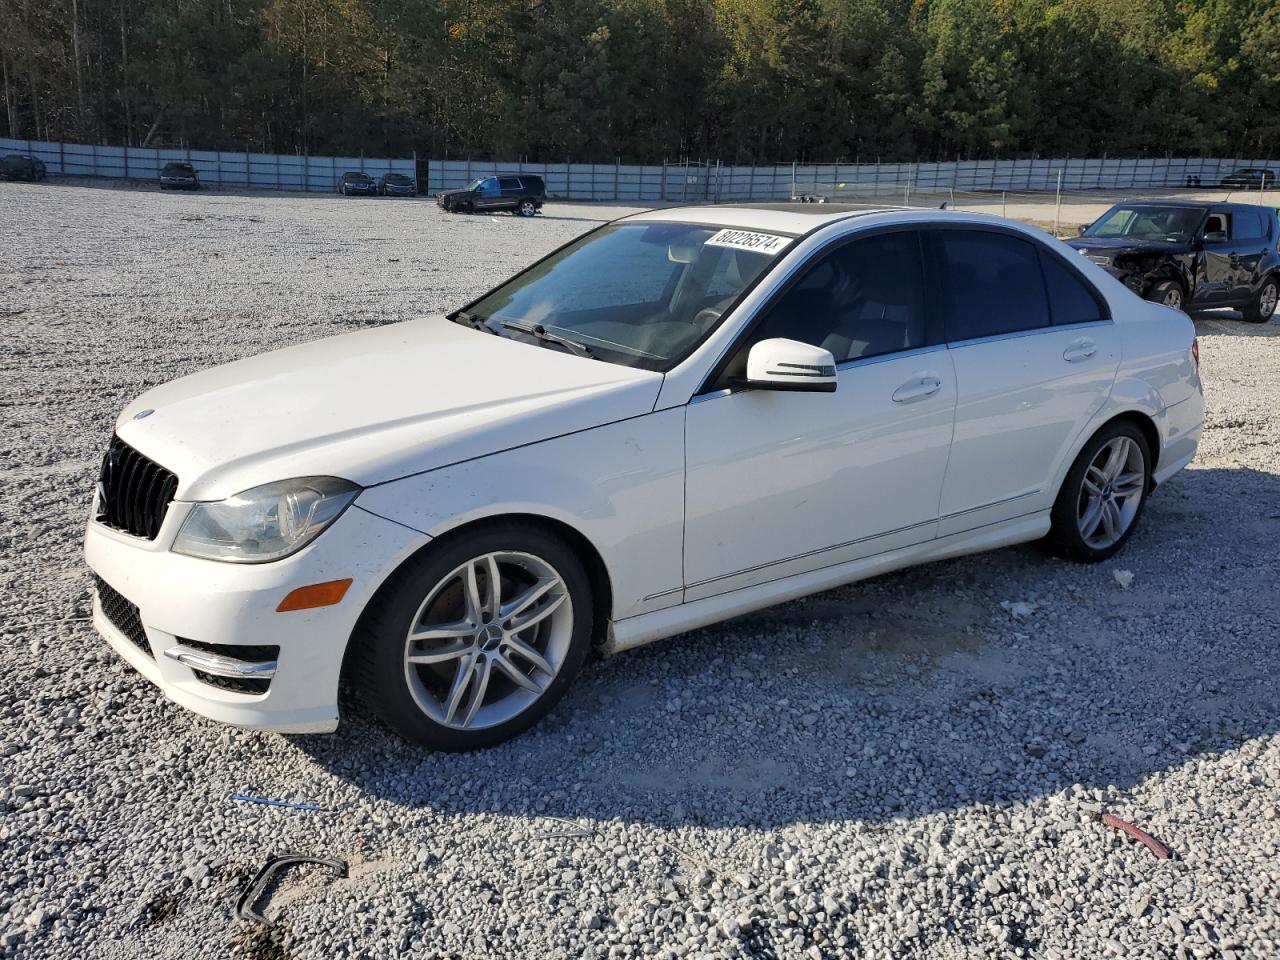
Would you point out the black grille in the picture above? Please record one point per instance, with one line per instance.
(122, 614)
(133, 492)
(254, 654)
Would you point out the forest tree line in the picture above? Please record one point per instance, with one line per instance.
(642, 80)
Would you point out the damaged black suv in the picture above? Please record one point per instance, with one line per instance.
(1191, 256)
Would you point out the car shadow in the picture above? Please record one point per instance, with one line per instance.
(911, 693)
(1233, 324)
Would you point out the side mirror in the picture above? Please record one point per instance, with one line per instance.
(782, 364)
(1216, 236)
(1082, 228)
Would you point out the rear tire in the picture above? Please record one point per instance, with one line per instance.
(527, 208)
(1262, 306)
(464, 642)
(1169, 293)
(1103, 495)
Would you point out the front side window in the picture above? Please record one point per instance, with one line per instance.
(994, 284)
(864, 299)
(1170, 224)
(641, 294)
(488, 186)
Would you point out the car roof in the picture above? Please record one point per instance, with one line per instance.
(790, 218)
(1188, 204)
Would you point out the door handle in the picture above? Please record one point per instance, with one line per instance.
(1080, 350)
(914, 390)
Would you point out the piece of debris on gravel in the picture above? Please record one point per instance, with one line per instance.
(894, 768)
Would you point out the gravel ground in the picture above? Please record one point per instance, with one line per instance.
(896, 768)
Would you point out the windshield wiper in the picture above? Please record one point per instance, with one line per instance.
(539, 332)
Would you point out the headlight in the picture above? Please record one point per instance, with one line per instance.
(265, 523)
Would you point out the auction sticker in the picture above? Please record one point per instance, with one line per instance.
(747, 240)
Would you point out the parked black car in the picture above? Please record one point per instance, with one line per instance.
(18, 167)
(520, 193)
(179, 176)
(1254, 178)
(396, 185)
(1191, 256)
(355, 183)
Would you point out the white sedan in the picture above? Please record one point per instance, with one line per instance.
(679, 417)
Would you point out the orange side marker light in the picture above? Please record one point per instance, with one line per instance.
(315, 595)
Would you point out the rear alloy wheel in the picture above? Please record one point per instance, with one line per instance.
(1263, 305)
(1103, 495)
(1169, 293)
(472, 644)
(527, 208)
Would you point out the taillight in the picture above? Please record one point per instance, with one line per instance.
(1195, 351)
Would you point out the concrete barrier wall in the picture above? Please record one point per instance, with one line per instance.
(684, 182)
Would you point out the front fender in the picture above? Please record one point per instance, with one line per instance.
(620, 486)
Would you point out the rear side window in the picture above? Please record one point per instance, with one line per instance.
(994, 284)
(1248, 225)
(509, 183)
(1071, 300)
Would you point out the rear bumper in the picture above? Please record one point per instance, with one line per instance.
(184, 598)
(1180, 426)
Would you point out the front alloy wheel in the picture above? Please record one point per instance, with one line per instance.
(1102, 497)
(488, 640)
(473, 641)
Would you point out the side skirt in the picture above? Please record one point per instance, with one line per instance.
(648, 627)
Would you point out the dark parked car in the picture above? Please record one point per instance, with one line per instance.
(396, 185)
(1256, 178)
(360, 184)
(179, 176)
(17, 167)
(1191, 256)
(520, 193)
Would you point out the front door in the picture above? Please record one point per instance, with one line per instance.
(782, 483)
(1219, 274)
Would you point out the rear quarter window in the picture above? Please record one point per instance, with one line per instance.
(1071, 298)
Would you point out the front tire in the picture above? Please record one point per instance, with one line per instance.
(475, 640)
(1102, 496)
(1169, 293)
(1262, 306)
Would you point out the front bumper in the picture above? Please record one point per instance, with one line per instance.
(184, 598)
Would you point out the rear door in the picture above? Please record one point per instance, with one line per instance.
(512, 190)
(1251, 242)
(1035, 354)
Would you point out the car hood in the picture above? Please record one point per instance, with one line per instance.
(1115, 246)
(454, 193)
(374, 406)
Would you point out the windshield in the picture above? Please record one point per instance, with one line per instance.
(1148, 223)
(640, 294)
(475, 184)
(357, 178)
(397, 178)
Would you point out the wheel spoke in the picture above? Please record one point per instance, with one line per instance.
(1127, 484)
(1116, 460)
(442, 631)
(441, 654)
(461, 680)
(471, 594)
(1094, 481)
(518, 625)
(527, 599)
(493, 581)
(479, 684)
(516, 645)
(517, 675)
(1110, 519)
(1091, 518)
